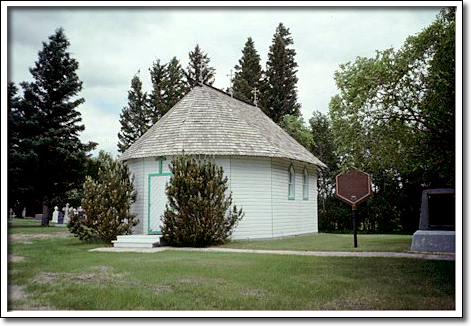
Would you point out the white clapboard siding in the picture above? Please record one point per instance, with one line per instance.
(259, 186)
(250, 179)
(136, 167)
(298, 216)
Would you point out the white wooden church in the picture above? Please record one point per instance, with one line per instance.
(271, 176)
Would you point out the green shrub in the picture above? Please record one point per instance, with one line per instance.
(199, 211)
(106, 203)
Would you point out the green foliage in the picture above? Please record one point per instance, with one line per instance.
(157, 105)
(199, 210)
(396, 110)
(248, 73)
(199, 65)
(168, 87)
(173, 84)
(106, 203)
(297, 129)
(279, 90)
(394, 118)
(46, 156)
(135, 118)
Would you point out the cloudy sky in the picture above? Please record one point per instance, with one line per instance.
(113, 44)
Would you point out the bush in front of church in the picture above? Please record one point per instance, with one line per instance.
(106, 203)
(198, 212)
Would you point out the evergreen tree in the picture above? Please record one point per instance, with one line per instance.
(157, 106)
(279, 91)
(248, 73)
(135, 118)
(199, 211)
(174, 84)
(199, 63)
(106, 203)
(47, 151)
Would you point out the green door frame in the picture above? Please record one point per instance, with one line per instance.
(160, 174)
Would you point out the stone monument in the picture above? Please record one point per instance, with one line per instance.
(66, 213)
(55, 214)
(437, 222)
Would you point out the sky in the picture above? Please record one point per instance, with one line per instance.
(112, 44)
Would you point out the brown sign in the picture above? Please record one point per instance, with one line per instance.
(353, 187)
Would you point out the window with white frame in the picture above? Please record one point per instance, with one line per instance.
(291, 178)
(305, 184)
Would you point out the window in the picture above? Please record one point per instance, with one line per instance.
(305, 184)
(291, 177)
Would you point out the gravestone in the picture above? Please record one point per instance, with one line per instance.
(55, 214)
(60, 219)
(437, 222)
(38, 217)
(12, 214)
(66, 213)
(23, 214)
(45, 214)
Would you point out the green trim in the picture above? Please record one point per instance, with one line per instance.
(305, 185)
(160, 174)
(161, 160)
(293, 186)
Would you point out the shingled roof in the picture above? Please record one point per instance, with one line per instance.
(209, 121)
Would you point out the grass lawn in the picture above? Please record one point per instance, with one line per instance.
(330, 242)
(58, 273)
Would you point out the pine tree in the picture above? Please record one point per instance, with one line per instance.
(199, 210)
(48, 152)
(279, 86)
(135, 118)
(106, 203)
(157, 106)
(174, 84)
(248, 73)
(199, 62)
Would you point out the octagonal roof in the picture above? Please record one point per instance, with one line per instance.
(209, 121)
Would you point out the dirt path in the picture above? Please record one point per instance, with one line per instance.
(432, 256)
(26, 238)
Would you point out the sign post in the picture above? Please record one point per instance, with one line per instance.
(353, 188)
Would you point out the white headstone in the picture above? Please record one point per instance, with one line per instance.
(55, 214)
(24, 213)
(66, 213)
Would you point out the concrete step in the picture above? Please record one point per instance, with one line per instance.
(136, 241)
(134, 245)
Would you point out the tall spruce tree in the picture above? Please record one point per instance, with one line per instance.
(45, 127)
(135, 118)
(248, 73)
(199, 64)
(157, 106)
(279, 91)
(168, 87)
(174, 84)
